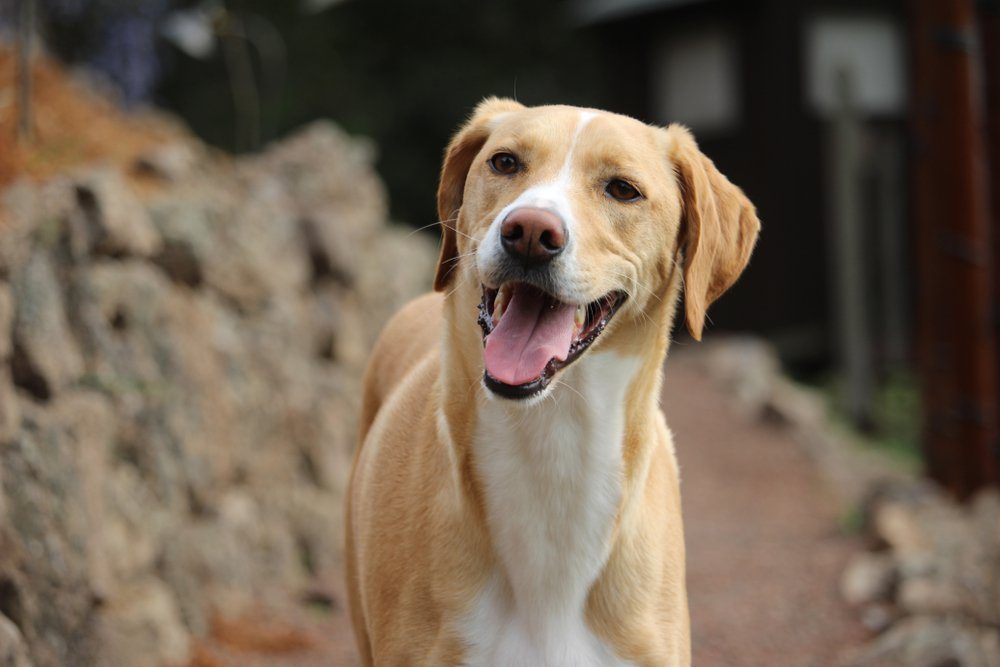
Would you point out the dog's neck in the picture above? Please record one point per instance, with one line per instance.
(552, 475)
(551, 480)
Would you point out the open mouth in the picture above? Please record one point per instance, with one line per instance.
(529, 335)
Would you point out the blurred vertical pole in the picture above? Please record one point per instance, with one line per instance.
(989, 31)
(893, 242)
(956, 343)
(246, 98)
(25, 37)
(849, 275)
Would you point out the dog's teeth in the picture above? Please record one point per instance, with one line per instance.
(500, 304)
(580, 318)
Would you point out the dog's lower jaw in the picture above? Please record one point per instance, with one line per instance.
(552, 485)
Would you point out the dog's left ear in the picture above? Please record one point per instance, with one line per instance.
(719, 228)
(464, 147)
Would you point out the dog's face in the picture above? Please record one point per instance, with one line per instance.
(570, 222)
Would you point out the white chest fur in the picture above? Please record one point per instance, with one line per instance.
(552, 482)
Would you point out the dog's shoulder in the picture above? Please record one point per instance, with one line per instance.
(409, 336)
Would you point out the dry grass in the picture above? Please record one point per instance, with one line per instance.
(73, 126)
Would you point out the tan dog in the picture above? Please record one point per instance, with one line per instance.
(515, 500)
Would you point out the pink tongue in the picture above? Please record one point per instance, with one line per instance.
(533, 330)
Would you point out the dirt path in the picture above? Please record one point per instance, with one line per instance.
(763, 549)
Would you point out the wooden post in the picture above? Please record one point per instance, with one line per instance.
(956, 343)
(848, 274)
(989, 37)
(893, 245)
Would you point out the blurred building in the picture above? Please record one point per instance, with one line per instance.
(766, 86)
(865, 133)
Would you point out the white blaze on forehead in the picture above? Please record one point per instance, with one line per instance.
(552, 195)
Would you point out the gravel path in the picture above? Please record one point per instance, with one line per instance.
(763, 549)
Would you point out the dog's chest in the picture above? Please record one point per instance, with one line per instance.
(552, 482)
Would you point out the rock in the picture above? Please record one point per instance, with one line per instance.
(869, 578)
(10, 413)
(133, 530)
(919, 595)
(35, 217)
(257, 256)
(350, 177)
(748, 367)
(796, 405)
(47, 528)
(948, 591)
(46, 357)
(333, 254)
(897, 525)
(13, 652)
(109, 219)
(927, 642)
(141, 627)
(171, 161)
(877, 617)
(6, 321)
(986, 514)
(229, 564)
(187, 240)
(89, 420)
(400, 266)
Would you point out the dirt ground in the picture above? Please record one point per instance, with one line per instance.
(764, 551)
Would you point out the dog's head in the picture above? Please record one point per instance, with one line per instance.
(569, 222)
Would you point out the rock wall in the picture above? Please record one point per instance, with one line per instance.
(929, 587)
(180, 355)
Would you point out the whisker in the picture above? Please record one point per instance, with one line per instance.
(457, 230)
(458, 257)
(443, 223)
(436, 222)
(635, 282)
(461, 284)
(578, 393)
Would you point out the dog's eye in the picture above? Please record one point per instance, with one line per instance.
(505, 163)
(623, 190)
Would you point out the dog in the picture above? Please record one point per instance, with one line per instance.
(515, 498)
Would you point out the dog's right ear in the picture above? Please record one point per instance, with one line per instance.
(464, 147)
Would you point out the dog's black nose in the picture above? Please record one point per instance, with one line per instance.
(533, 235)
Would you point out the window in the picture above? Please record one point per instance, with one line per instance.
(696, 80)
(868, 51)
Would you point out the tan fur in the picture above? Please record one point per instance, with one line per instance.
(418, 545)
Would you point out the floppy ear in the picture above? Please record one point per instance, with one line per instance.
(464, 147)
(719, 228)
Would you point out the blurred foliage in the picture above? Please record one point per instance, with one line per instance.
(403, 73)
(898, 414)
(116, 38)
(895, 418)
(852, 520)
